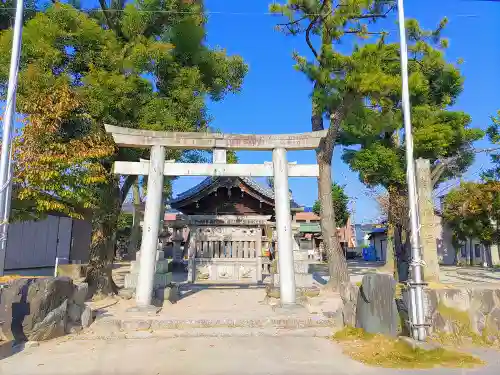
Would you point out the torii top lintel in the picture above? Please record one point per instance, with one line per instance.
(128, 137)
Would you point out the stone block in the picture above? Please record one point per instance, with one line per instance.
(160, 280)
(126, 293)
(80, 294)
(349, 314)
(493, 321)
(86, 317)
(302, 280)
(134, 266)
(457, 299)
(299, 255)
(162, 266)
(376, 310)
(73, 271)
(75, 312)
(483, 300)
(301, 266)
(35, 309)
(169, 293)
(350, 293)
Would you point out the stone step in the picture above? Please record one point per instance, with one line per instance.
(210, 332)
(112, 324)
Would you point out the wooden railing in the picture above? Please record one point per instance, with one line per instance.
(226, 249)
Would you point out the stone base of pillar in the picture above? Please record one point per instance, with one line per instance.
(302, 280)
(161, 280)
(162, 276)
(162, 266)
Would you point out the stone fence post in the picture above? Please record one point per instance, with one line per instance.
(428, 222)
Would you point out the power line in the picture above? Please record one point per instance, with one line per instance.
(206, 12)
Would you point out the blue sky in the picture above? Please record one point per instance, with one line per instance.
(275, 97)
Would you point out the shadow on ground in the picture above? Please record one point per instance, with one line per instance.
(8, 349)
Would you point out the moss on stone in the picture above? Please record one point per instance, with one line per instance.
(462, 329)
(460, 319)
(382, 351)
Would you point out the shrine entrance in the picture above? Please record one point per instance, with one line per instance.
(223, 245)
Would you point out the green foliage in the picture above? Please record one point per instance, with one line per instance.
(438, 133)
(139, 67)
(325, 24)
(340, 203)
(362, 88)
(144, 66)
(8, 12)
(125, 221)
(473, 211)
(493, 132)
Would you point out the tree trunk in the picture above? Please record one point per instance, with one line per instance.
(404, 256)
(390, 258)
(135, 234)
(103, 244)
(337, 264)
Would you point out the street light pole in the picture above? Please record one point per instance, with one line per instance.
(416, 284)
(8, 125)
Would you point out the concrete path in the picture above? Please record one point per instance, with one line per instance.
(200, 356)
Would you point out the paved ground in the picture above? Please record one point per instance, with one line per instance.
(200, 356)
(449, 275)
(218, 355)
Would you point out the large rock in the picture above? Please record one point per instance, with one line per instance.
(35, 309)
(376, 310)
(53, 325)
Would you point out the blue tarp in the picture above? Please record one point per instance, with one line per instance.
(369, 254)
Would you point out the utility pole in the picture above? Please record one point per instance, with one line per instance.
(416, 282)
(8, 126)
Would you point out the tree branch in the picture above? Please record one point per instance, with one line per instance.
(374, 16)
(308, 39)
(439, 169)
(287, 24)
(365, 33)
(109, 22)
(104, 9)
(309, 29)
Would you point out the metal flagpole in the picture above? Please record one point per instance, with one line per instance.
(8, 125)
(416, 284)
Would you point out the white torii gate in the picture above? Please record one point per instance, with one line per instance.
(157, 167)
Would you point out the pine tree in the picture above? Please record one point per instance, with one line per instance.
(338, 88)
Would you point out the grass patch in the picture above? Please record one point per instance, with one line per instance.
(382, 351)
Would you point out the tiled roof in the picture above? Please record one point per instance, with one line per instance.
(265, 191)
(310, 228)
(307, 216)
